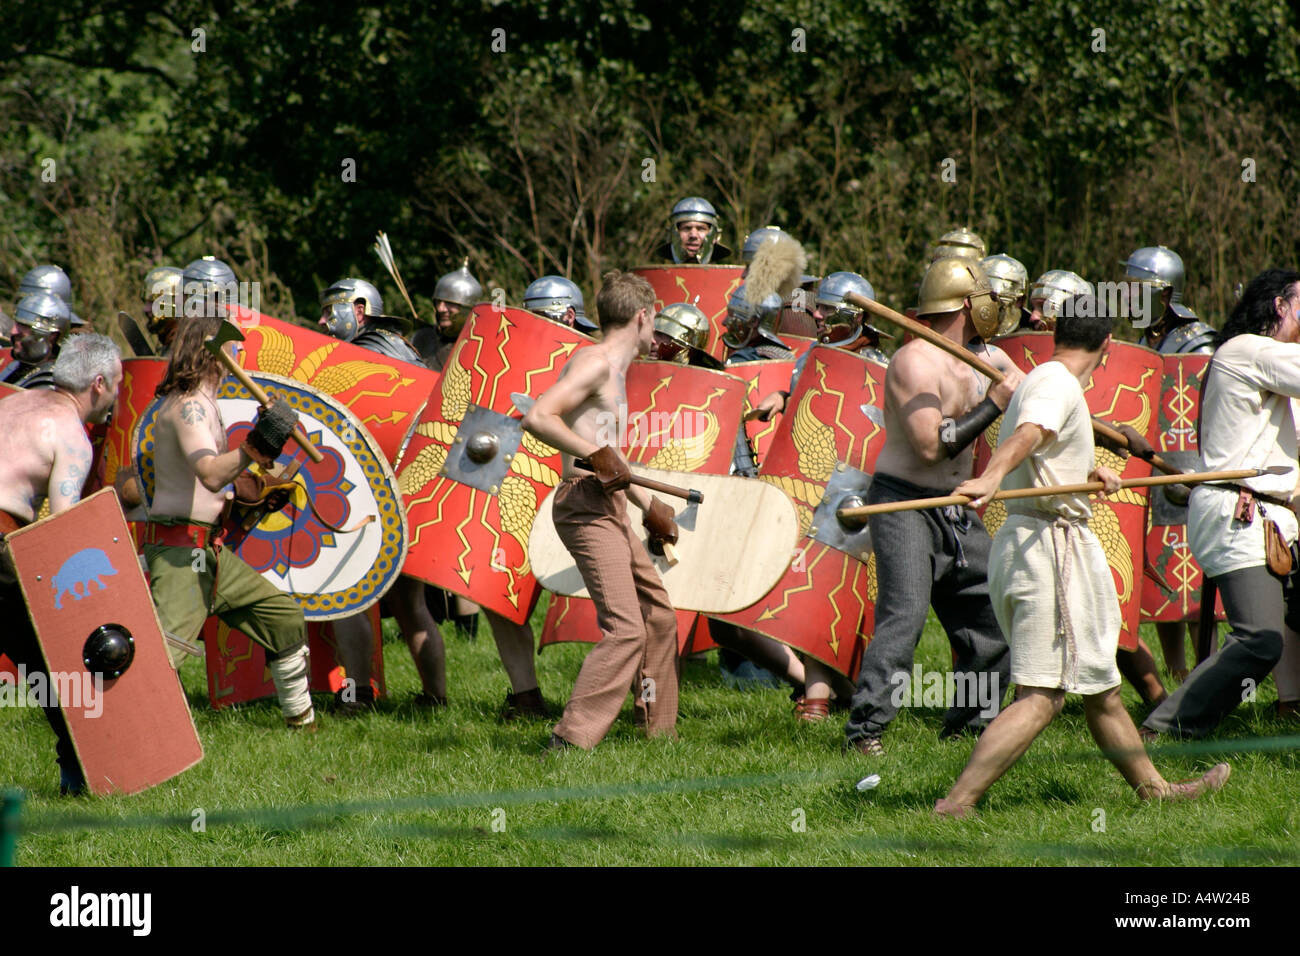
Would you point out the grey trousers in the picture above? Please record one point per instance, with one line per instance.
(927, 558)
(1256, 602)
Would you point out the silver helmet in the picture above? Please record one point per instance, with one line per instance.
(757, 238)
(162, 288)
(745, 318)
(1010, 281)
(842, 320)
(1161, 268)
(459, 287)
(337, 312)
(44, 318)
(552, 296)
(959, 242)
(1053, 288)
(43, 312)
(51, 279)
(693, 209)
(209, 282)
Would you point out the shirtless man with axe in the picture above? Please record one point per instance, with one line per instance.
(191, 575)
(638, 646)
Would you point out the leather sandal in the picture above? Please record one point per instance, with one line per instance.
(812, 709)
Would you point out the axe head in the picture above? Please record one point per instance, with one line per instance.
(686, 520)
(229, 332)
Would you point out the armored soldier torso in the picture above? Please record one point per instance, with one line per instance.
(387, 343)
(1193, 337)
(22, 375)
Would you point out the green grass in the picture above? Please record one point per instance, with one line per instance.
(409, 787)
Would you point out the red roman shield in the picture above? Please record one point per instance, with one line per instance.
(825, 448)
(472, 479)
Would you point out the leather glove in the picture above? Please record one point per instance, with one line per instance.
(611, 469)
(275, 423)
(1137, 445)
(660, 523)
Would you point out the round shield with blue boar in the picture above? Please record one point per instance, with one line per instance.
(340, 543)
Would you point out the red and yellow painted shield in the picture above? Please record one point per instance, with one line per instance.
(686, 419)
(387, 395)
(471, 478)
(140, 378)
(712, 285)
(1124, 390)
(823, 606)
(1167, 551)
(237, 671)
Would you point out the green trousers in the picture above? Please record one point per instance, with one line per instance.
(181, 582)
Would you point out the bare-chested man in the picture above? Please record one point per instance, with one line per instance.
(45, 454)
(935, 407)
(193, 466)
(638, 646)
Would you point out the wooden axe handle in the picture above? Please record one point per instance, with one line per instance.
(689, 494)
(923, 331)
(259, 393)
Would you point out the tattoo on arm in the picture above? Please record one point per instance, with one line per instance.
(74, 474)
(193, 412)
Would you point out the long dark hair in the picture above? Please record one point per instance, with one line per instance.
(1254, 313)
(191, 364)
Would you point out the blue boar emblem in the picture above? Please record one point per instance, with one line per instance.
(88, 564)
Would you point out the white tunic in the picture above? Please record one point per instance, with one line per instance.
(1044, 552)
(1247, 422)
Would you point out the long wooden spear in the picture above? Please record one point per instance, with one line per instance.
(923, 331)
(1191, 478)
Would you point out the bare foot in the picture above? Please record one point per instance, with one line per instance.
(1187, 789)
(957, 811)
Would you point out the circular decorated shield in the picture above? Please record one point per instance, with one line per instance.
(340, 557)
(140, 377)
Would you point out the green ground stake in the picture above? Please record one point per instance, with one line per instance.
(11, 808)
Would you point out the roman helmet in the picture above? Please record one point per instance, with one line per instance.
(1009, 280)
(745, 319)
(337, 312)
(949, 282)
(1161, 268)
(1053, 288)
(162, 290)
(210, 283)
(959, 242)
(461, 290)
(842, 320)
(44, 318)
(553, 297)
(686, 326)
(757, 238)
(693, 209)
(51, 279)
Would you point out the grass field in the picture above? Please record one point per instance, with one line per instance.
(745, 784)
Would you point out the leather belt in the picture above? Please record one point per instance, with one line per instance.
(1238, 489)
(180, 535)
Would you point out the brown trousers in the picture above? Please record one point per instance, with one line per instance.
(638, 628)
